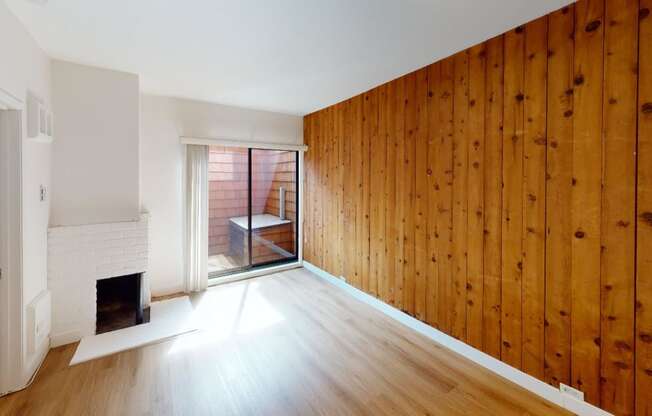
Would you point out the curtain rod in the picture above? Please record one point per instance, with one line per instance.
(207, 141)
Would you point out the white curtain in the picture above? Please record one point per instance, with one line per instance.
(196, 218)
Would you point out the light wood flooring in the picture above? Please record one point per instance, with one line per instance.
(284, 344)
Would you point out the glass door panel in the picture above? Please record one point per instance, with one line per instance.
(228, 210)
(274, 207)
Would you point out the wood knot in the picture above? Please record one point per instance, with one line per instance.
(597, 341)
(612, 101)
(579, 80)
(621, 365)
(429, 93)
(507, 344)
(471, 103)
(646, 108)
(568, 113)
(623, 224)
(579, 234)
(622, 345)
(553, 144)
(608, 287)
(532, 197)
(647, 217)
(476, 165)
(520, 96)
(540, 141)
(469, 286)
(648, 372)
(645, 337)
(563, 313)
(643, 13)
(592, 26)
(519, 29)
(470, 302)
(569, 91)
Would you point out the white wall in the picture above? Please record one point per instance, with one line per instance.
(95, 155)
(25, 67)
(162, 163)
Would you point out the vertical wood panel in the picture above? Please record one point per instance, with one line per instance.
(400, 194)
(350, 192)
(558, 196)
(379, 174)
(643, 302)
(308, 166)
(459, 234)
(328, 197)
(443, 187)
(475, 223)
(319, 191)
(492, 328)
(534, 202)
(368, 116)
(366, 202)
(432, 279)
(356, 172)
(340, 143)
(619, 206)
(512, 219)
(421, 196)
(408, 186)
(586, 200)
(376, 185)
(390, 194)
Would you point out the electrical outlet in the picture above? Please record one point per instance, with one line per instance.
(574, 393)
(43, 193)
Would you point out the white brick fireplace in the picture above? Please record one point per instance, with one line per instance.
(78, 256)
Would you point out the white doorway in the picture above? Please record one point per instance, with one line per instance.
(11, 321)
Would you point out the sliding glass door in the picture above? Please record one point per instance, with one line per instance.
(252, 208)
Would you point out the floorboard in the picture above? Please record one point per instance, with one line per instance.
(287, 343)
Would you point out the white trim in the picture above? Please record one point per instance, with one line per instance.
(12, 351)
(9, 102)
(218, 141)
(498, 367)
(236, 277)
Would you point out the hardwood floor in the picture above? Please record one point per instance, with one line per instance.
(283, 344)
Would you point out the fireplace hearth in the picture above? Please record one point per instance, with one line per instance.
(120, 303)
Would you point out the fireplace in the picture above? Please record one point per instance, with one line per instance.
(120, 303)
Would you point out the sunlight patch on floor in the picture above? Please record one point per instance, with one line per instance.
(226, 312)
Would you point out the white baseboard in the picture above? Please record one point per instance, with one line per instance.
(506, 371)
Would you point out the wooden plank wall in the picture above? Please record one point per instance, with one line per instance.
(504, 196)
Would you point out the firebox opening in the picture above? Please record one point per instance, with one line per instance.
(119, 303)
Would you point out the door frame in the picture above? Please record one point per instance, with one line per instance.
(251, 268)
(11, 316)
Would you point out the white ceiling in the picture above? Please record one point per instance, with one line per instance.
(291, 56)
